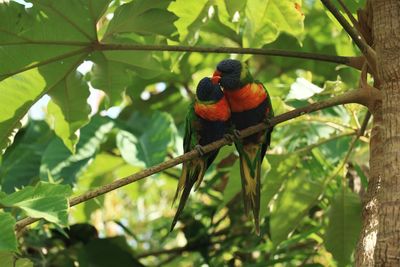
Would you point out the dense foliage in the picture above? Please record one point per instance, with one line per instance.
(312, 178)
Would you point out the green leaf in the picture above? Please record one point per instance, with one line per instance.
(292, 204)
(234, 6)
(234, 183)
(21, 163)
(266, 19)
(110, 76)
(215, 26)
(45, 200)
(68, 109)
(21, 91)
(143, 17)
(280, 166)
(148, 142)
(32, 37)
(8, 241)
(344, 226)
(78, 15)
(259, 29)
(8, 259)
(59, 163)
(286, 17)
(107, 252)
(190, 15)
(143, 63)
(36, 55)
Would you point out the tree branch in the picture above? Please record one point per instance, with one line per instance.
(226, 50)
(348, 13)
(355, 36)
(360, 96)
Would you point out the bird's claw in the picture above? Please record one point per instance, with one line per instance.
(267, 121)
(236, 134)
(229, 137)
(200, 150)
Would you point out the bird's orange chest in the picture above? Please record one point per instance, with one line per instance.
(248, 97)
(218, 111)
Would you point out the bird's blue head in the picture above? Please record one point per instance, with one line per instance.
(230, 73)
(207, 90)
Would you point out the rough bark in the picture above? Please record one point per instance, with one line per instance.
(386, 36)
(367, 241)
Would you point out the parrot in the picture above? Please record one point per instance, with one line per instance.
(207, 120)
(250, 104)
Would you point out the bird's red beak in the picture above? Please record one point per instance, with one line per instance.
(216, 77)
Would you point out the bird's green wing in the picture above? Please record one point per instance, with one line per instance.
(190, 139)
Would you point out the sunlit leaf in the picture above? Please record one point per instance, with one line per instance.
(259, 29)
(190, 15)
(68, 108)
(8, 241)
(36, 55)
(32, 85)
(110, 76)
(45, 200)
(8, 259)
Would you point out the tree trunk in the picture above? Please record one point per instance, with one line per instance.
(386, 36)
(367, 242)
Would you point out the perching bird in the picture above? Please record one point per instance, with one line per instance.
(250, 104)
(207, 121)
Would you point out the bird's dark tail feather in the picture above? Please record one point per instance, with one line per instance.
(250, 170)
(190, 174)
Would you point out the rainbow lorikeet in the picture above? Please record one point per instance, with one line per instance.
(250, 104)
(207, 121)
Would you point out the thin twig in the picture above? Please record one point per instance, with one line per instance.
(355, 96)
(349, 14)
(355, 36)
(323, 141)
(364, 124)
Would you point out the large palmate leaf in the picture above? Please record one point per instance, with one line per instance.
(59, 163)
(20, 91)
(143, 17)
(21, 163)
(148, 142)
(143, 63)
(8, 241)
(344, 226)
(68, 108)
(36, 55)
(45, 200)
